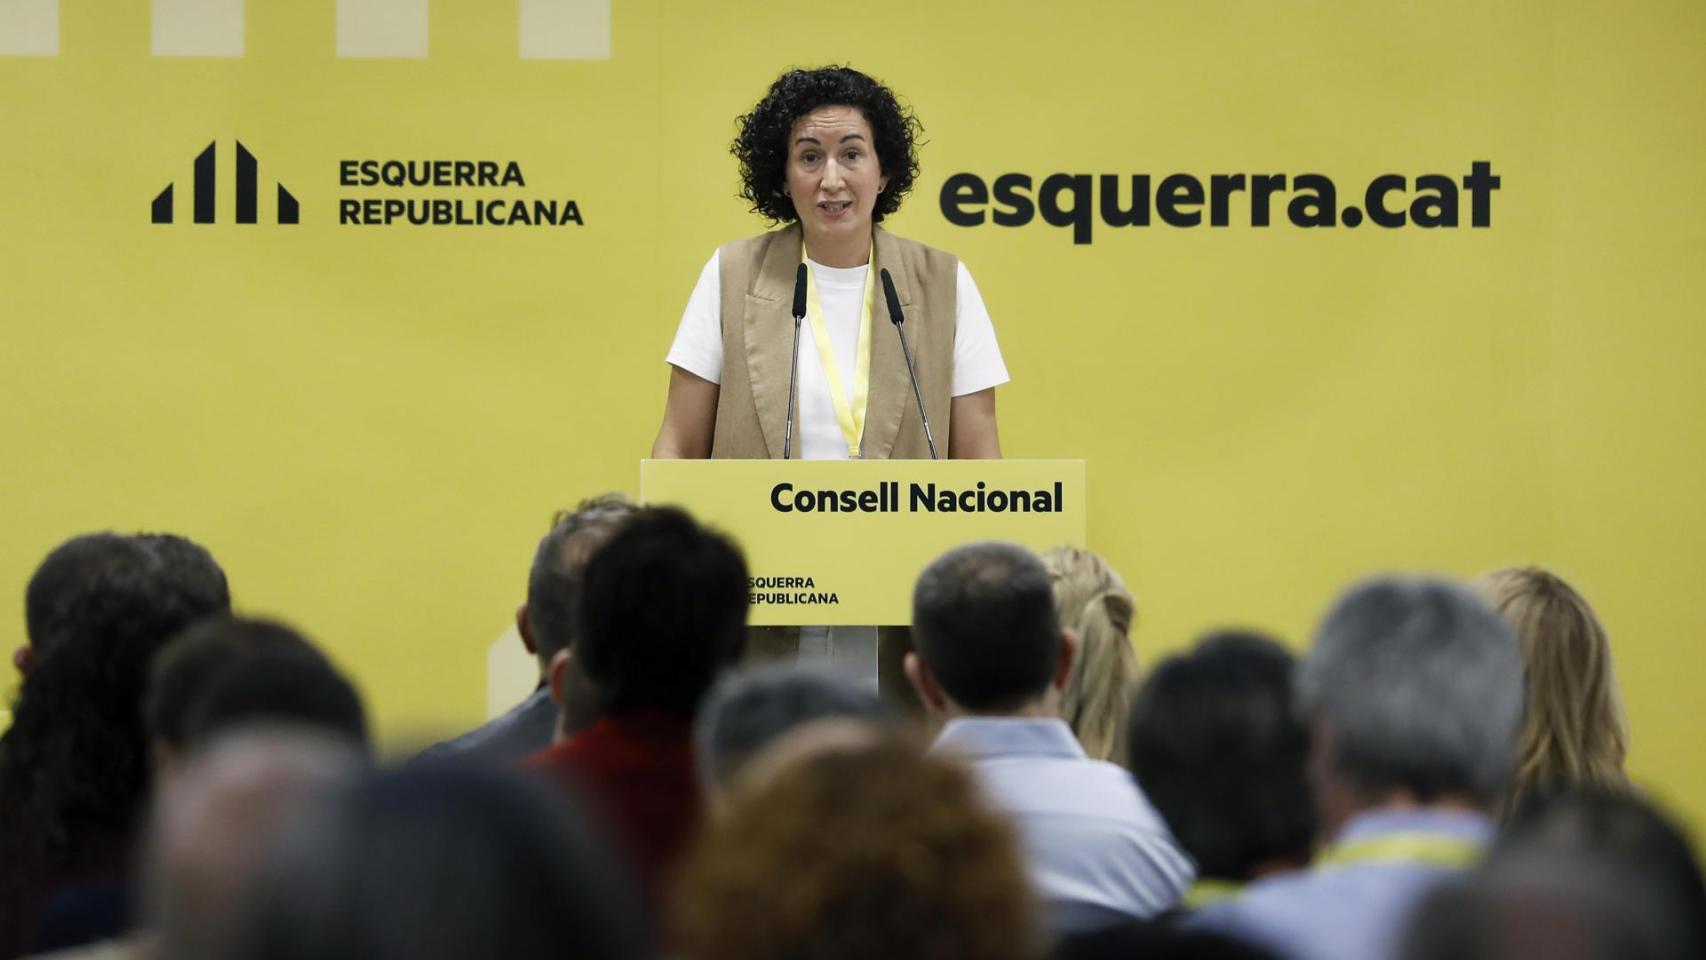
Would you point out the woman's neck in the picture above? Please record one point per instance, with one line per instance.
(854, 251)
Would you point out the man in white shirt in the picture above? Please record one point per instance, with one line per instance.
(992, 659)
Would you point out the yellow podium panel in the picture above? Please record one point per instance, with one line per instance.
(842, 541)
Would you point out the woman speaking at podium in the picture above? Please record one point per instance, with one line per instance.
(828, 154)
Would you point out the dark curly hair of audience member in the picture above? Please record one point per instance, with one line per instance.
(854, 854)
(762, 144)
(74, 772)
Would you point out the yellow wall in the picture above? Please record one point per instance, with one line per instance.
(371, 425)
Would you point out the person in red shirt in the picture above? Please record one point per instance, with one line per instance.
(660, 613)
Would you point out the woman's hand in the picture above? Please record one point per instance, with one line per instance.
(971, 427)
(689, 418)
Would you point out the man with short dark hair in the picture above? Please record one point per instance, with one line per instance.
(661, 612)
(1215, 742)
(1413, 689)
(992, 659)
(546, 623)
(187, 665)
(273, 688)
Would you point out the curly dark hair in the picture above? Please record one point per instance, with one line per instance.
(74, 771)
(762, 144)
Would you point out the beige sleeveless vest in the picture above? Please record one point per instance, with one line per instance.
(757, 276)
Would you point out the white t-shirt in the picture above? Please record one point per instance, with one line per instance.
(698, 346)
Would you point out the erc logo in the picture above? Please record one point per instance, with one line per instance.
(206, 184)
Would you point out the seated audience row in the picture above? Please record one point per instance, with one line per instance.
(648, 798)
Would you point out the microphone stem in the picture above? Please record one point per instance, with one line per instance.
(793, 374)
(917, 394)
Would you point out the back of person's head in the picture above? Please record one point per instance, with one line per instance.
(1217, 746)
(439, 863)
(279, 687)
(1419, 686)
(553, 583)
(1545, 905)
(749, 710)
(1093, 602)
(74, 769)
(154, 576)
(190, 661)
(875, 851)
(101, 606)
(662, 612)
(984, 624)
(214, 819)
(1619, 833)
(1574, 729)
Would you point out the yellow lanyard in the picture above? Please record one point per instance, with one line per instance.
(1430, 849)
(1207, 891)
(851, 415)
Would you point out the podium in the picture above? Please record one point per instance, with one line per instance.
(841, 542)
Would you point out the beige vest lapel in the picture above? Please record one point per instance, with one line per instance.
(769, 331)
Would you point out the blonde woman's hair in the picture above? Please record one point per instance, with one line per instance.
(1094, 603)
(1574, 730)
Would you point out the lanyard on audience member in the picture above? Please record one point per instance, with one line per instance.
(1207, 891)
(851, 415)
(1424, 848)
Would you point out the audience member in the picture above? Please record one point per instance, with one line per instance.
(546, 623)
(1219, 749)
(1542, 906)
(1095, 605)
(1574, 730)
(662, 613)
(74, 771)
(1414, 692)
(272, 687)
(748, 710)
(185, 667)
(438, 863)
(59, 585)
(1619, 835)
(858, 853)
(214, 818)
(993, 659)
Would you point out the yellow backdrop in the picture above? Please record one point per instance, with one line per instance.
(370, 425)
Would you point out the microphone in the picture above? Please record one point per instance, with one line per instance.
(899, 320)
(794, 367)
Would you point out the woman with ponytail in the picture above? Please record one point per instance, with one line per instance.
(1094, 603)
